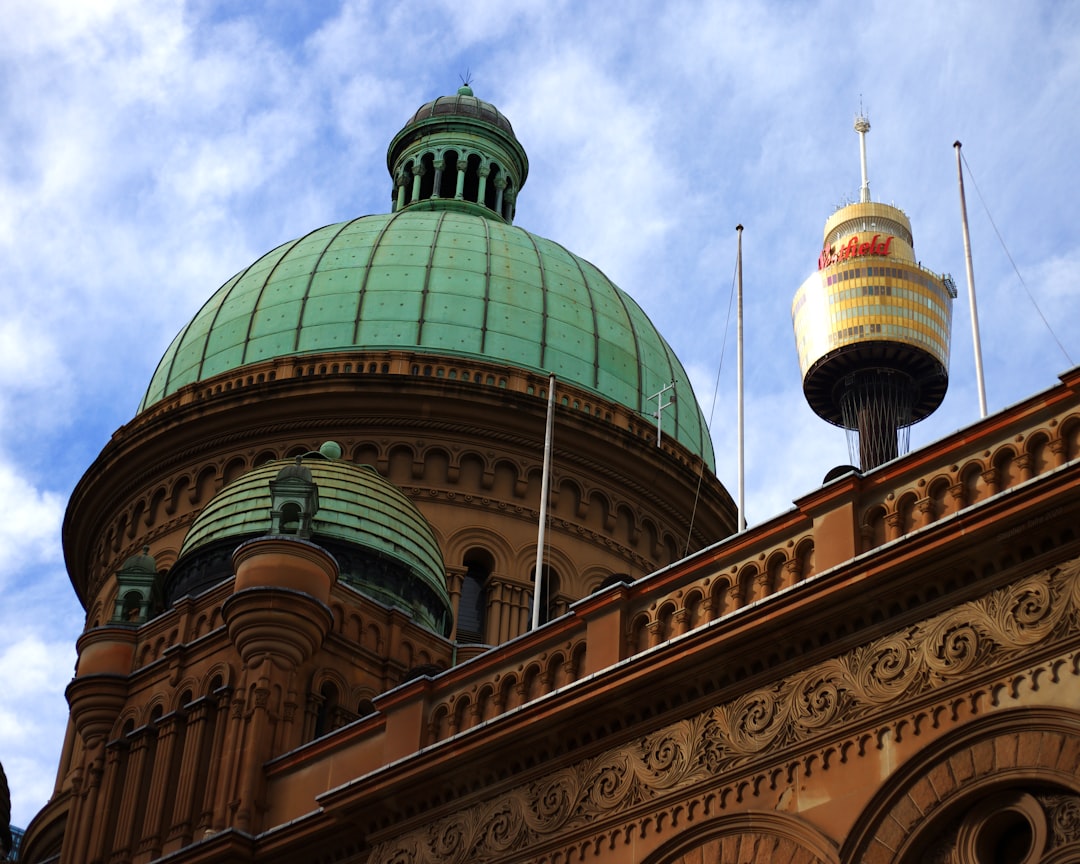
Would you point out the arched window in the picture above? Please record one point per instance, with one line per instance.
(473, 602)
(324, 714)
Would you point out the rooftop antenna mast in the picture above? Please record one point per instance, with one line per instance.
(862, 126)
(661, 405)
(976, 342)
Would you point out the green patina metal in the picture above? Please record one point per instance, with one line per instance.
(446, 274)
(443, 282)
(356, 507)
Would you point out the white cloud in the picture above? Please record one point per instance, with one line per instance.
(152, 150)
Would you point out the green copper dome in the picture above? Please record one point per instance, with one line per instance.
(398, 560)
(445, 282)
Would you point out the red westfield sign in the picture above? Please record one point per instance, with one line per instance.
(853, 249)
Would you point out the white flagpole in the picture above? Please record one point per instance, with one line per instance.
(971, 288)
(739, 375)
(545, 486)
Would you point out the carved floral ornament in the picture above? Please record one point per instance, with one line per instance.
(995, 629)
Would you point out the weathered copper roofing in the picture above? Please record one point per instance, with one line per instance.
(448, 283)
(461, 104)
(356, 506)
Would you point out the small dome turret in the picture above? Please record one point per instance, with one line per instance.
(458, 153)
(384, 547)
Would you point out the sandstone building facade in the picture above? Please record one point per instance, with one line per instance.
(308, 564)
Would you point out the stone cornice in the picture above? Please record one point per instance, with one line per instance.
(836, 710)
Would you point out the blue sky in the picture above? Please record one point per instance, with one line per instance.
(151, 150)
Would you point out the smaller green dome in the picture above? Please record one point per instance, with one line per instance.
(140, 564)
(384, 546)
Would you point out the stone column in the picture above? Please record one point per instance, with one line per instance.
(277, 619)
(500, 192)
(139, 741)
(483, 172)
(161, 779)
(462, 165)
(418, 172)
(114, 755)
(440, 166)
(180, 833)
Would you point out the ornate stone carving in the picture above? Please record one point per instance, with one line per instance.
(990, 631)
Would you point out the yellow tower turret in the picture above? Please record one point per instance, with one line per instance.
(872, 327)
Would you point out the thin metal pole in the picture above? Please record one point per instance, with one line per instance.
(971, 288)
(739, 375)
(545, 486)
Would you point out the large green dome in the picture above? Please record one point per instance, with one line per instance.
(447, 282)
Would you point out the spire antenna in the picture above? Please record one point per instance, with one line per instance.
(862, 126)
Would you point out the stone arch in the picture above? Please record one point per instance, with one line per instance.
(439, 727)
(601, 515)
(764, 837)
(447, 173)
(234, 469)
(187, 688)
(592, 579)
(577, 660)
(905, 512)
(508, 482)
(693, 609)
(938, 495)
(1070, 436)
(718, 597)
(437, 466)
(1037, 448)
(874, 526)
(530, 682)
(400, 460)
(217, 676)
(626, 524)
(774, 572)
(426, 170)
(638, 636)
(652, 537)
(665, 621)
(206, 484)
(1017, 749)
(569, 500)
(1006, 470)
(804, 557)
(969, 482)
(486, 706)
(155, 504)
(463, 543)
(508, 695)
(475, 473)
(746, 581)
(181, 485)
(264, 457)
(555, 671)
(136, 516)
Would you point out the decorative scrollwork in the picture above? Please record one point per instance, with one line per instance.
(885, 670)
(753, 721)
(994, 629)
(1064, 817)
(819, 696)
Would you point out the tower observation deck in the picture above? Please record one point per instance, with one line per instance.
(872, 328)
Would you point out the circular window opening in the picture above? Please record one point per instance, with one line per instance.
(1006, 838)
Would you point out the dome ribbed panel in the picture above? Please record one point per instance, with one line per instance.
(447, 283)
